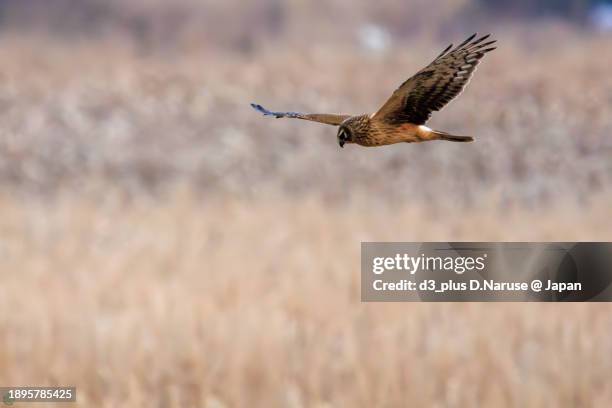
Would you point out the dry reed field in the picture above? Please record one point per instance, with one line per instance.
(224, 304)
(99, 112)
(163, 245)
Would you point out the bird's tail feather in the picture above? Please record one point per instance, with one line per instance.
(451, 138)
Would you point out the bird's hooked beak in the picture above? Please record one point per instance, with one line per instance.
(342, 137)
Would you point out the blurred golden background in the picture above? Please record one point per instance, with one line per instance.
(162, 244)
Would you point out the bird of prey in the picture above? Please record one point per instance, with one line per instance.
(402, 118)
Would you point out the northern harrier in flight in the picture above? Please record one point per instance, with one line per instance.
(402, 118)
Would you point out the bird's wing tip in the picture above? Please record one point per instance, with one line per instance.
(260, 108)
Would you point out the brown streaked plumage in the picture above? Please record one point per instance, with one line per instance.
(402, 118)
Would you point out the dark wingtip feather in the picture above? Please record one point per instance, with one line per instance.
(488, 43)
(470, 38)
(479, 47)
(481, 39)
(261, 109)
(445, 51)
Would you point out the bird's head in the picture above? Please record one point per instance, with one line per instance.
(344, 136)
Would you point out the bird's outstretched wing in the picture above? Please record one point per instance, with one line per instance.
(327, 118)
(435, 85)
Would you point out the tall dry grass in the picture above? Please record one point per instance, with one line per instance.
(95, 111)
(230, 305)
